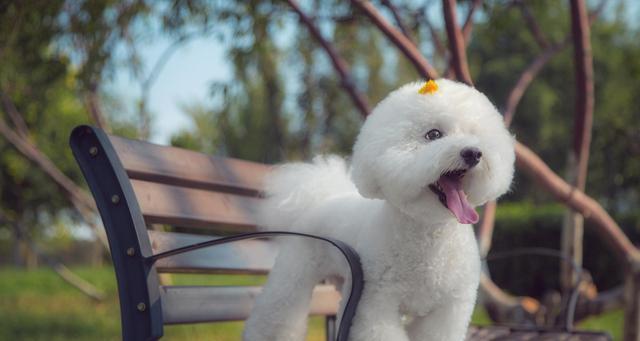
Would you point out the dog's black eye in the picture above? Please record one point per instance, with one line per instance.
(433, 134)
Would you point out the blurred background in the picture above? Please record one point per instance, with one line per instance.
(247, 79)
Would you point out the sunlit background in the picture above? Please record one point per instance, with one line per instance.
(245, 79)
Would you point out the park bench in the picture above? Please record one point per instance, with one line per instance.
(138, 185)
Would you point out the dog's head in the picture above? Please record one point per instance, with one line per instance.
(434, 154)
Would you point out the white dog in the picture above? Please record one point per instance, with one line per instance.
(425, 157)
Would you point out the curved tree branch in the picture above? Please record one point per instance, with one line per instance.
(437, 42)
(83, 203)
(502, 306)
(485, 232)
(152, 76)
(467, 27)
(584, 88)
(605, 226)
(396, 17)
(526, 77)
(573, 225)
(536, 32)
(32, 153)
(336, 60)
(456, 43)
(67, 275)
(405, 45)
(93, 105)
(532, 70)
(14, 115)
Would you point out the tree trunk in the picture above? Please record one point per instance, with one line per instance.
(573, 228)
(18, 247)
(97, 253)
(23, 257)
(632, 303)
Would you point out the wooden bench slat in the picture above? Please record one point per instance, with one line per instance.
(176, 166)
(188, 207)
(253, 256)
(204, 304)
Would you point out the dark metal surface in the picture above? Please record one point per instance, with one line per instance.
(138, 287)
(243, 257)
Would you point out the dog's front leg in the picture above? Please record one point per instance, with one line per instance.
(448, 322)
(378, 318)
(280, 311)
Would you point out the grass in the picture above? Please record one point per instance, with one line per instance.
(38, 305)
(611, 322)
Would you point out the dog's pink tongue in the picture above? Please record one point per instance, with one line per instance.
(457, 201)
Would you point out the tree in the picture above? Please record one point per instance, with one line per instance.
(54, 58)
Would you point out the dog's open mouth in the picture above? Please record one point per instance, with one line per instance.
(449, 190)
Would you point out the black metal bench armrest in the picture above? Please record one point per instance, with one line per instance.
(347, 251)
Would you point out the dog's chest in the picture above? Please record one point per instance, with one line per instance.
(432, 267)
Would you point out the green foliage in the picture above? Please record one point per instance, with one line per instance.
(615, 162)
(204, 134)
(611, 322)
(40, 83)
(38, 305)
(285, 100)
(51, 54)
(502, 46)
(528, 224)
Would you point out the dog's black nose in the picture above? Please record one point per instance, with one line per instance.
(471, 156)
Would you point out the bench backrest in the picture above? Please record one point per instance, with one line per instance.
(138, 184)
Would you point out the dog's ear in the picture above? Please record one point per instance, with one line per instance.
(366, 183)
(363, 175)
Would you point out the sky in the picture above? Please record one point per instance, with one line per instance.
(185, 78)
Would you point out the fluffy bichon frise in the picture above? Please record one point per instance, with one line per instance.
(425, 157)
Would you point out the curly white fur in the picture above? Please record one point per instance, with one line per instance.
(421, 266)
